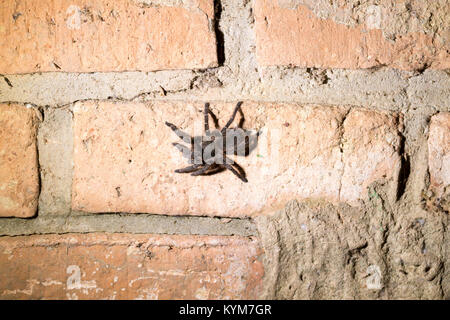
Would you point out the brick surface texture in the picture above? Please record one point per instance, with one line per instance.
(439, 157)
(124, 160)
(19, 176)
(289, 33)
(123, 266)
(100, 35)
(346, 107)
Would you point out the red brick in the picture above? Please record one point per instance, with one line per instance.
(125, 266)
(371, 145)
(296, 36)
(100, 35)
(124, 160)
(19, 176)
(439, 158)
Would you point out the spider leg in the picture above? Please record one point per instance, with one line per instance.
(201, 170)
(238, 174)
(215, 120)
(215, 170)
(235, 165)
(188, 169)
(212, 169)
(206, 111)
(242, 120)
(239, 168)
(182, 135)
(238, 107)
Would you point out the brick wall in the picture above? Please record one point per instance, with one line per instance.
(348, 185)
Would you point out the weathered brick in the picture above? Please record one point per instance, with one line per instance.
(100, 35)
(124, 160)
(371, 145)
(439, 159)
(125, 266)
(289, 33)
(19, 176)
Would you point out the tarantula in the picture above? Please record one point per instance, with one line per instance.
(208, 154)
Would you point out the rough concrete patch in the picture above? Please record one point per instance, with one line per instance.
(418, 249)
(55, 143)
(412, 201)
(415, 155)
(317, 252)
(314, 250)
(127, 223)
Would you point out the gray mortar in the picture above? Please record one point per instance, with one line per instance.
(55, 145)
(409, 244)
(127, 223)
(57, 89)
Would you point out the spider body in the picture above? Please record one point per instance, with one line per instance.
(208, 154)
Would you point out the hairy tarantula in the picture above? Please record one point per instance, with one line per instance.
(208, 154)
